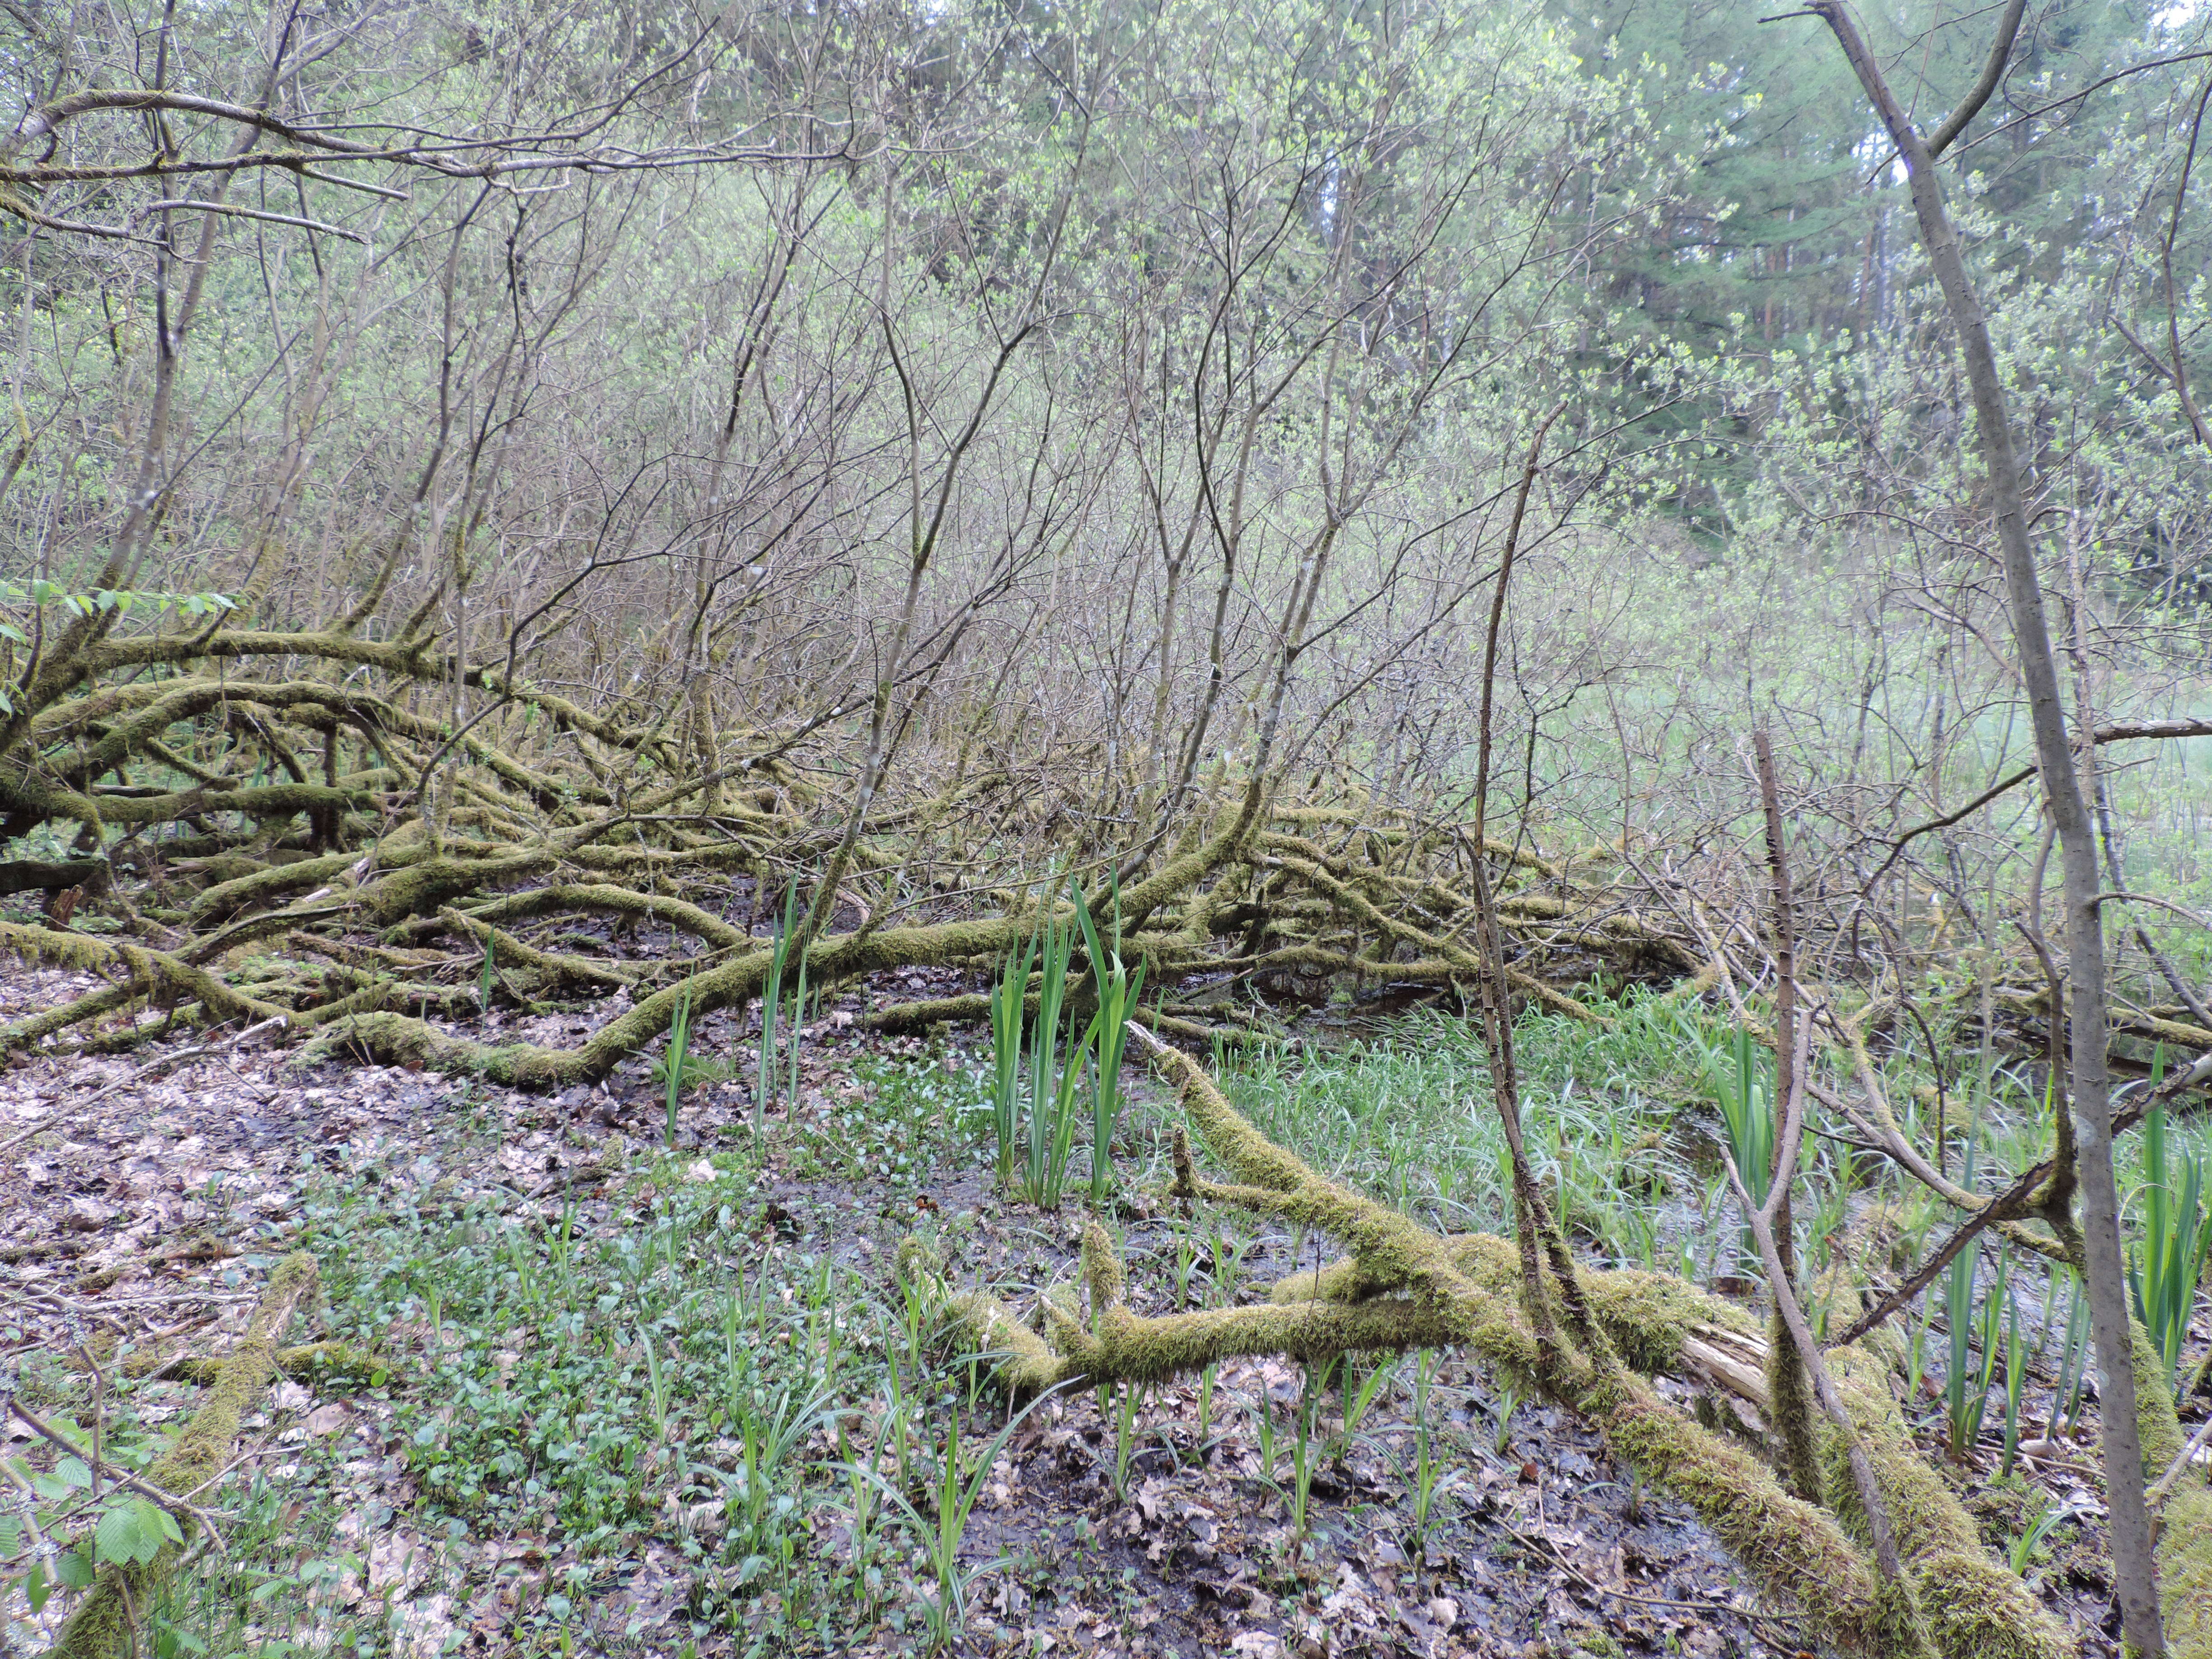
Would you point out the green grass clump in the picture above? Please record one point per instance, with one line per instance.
(1405, 1115)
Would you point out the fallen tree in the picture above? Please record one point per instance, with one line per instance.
(545, 820)
(1591, 1340)
(366, 859)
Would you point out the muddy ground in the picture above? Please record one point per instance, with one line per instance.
(143, 1197)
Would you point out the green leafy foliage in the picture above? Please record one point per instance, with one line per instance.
(40, 592)
(940, 1530)
(134, 1530)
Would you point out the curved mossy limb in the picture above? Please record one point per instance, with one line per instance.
(30, 801)
(553, 968)
(1975, 1608)
(1793, 1549)
(1648, 1317)
(102, 1627)
(2184, 1525)
(147, 971)
(258, 887)
(401, 1038)
(85, 1009)
(607, 898)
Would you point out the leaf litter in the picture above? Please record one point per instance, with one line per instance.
(143, 1198)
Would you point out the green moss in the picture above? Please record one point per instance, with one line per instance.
(2184, 1538)
(1103, 1271)
(1647, 1316)
(1790, 1547)
(2185, 1569)
(1251, 1156)
(422, 888)
(2002, 1510)
(29, 1033)
(2156, 1423)
(248, 891)
(101, 1628)
(78, 951)
(607, 899)
(406, 1040)
(1790, 1409)
(1973, 1606)
(315, 1362)
(145, 972)
(1027, 1364)
(1404, 1287)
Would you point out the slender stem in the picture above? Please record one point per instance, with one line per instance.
(1788, 1375)
(2134, 1563)
(1496, 1008)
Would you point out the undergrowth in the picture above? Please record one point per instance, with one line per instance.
(715, 1368)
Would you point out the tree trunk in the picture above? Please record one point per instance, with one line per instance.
(2062, 791)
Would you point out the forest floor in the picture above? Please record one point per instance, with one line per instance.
(622, 1396)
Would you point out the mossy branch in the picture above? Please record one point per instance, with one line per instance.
(105, 1624)
(1404, 1288)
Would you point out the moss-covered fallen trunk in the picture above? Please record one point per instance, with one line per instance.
(1404, 1287)
(1975, 1606)
(104, 1624)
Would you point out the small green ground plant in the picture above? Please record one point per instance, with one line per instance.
(1006, 1000)
(674, 1061)
(1736, 1070)
(1118, 989)
(1966, 1382)
(940, 1530)
(650, 1377)
(1057, 1059)
(1033, 1159)
(2174, 1240)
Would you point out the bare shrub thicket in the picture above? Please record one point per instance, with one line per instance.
(473, 470)
(870, 428)
(1033, 417)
